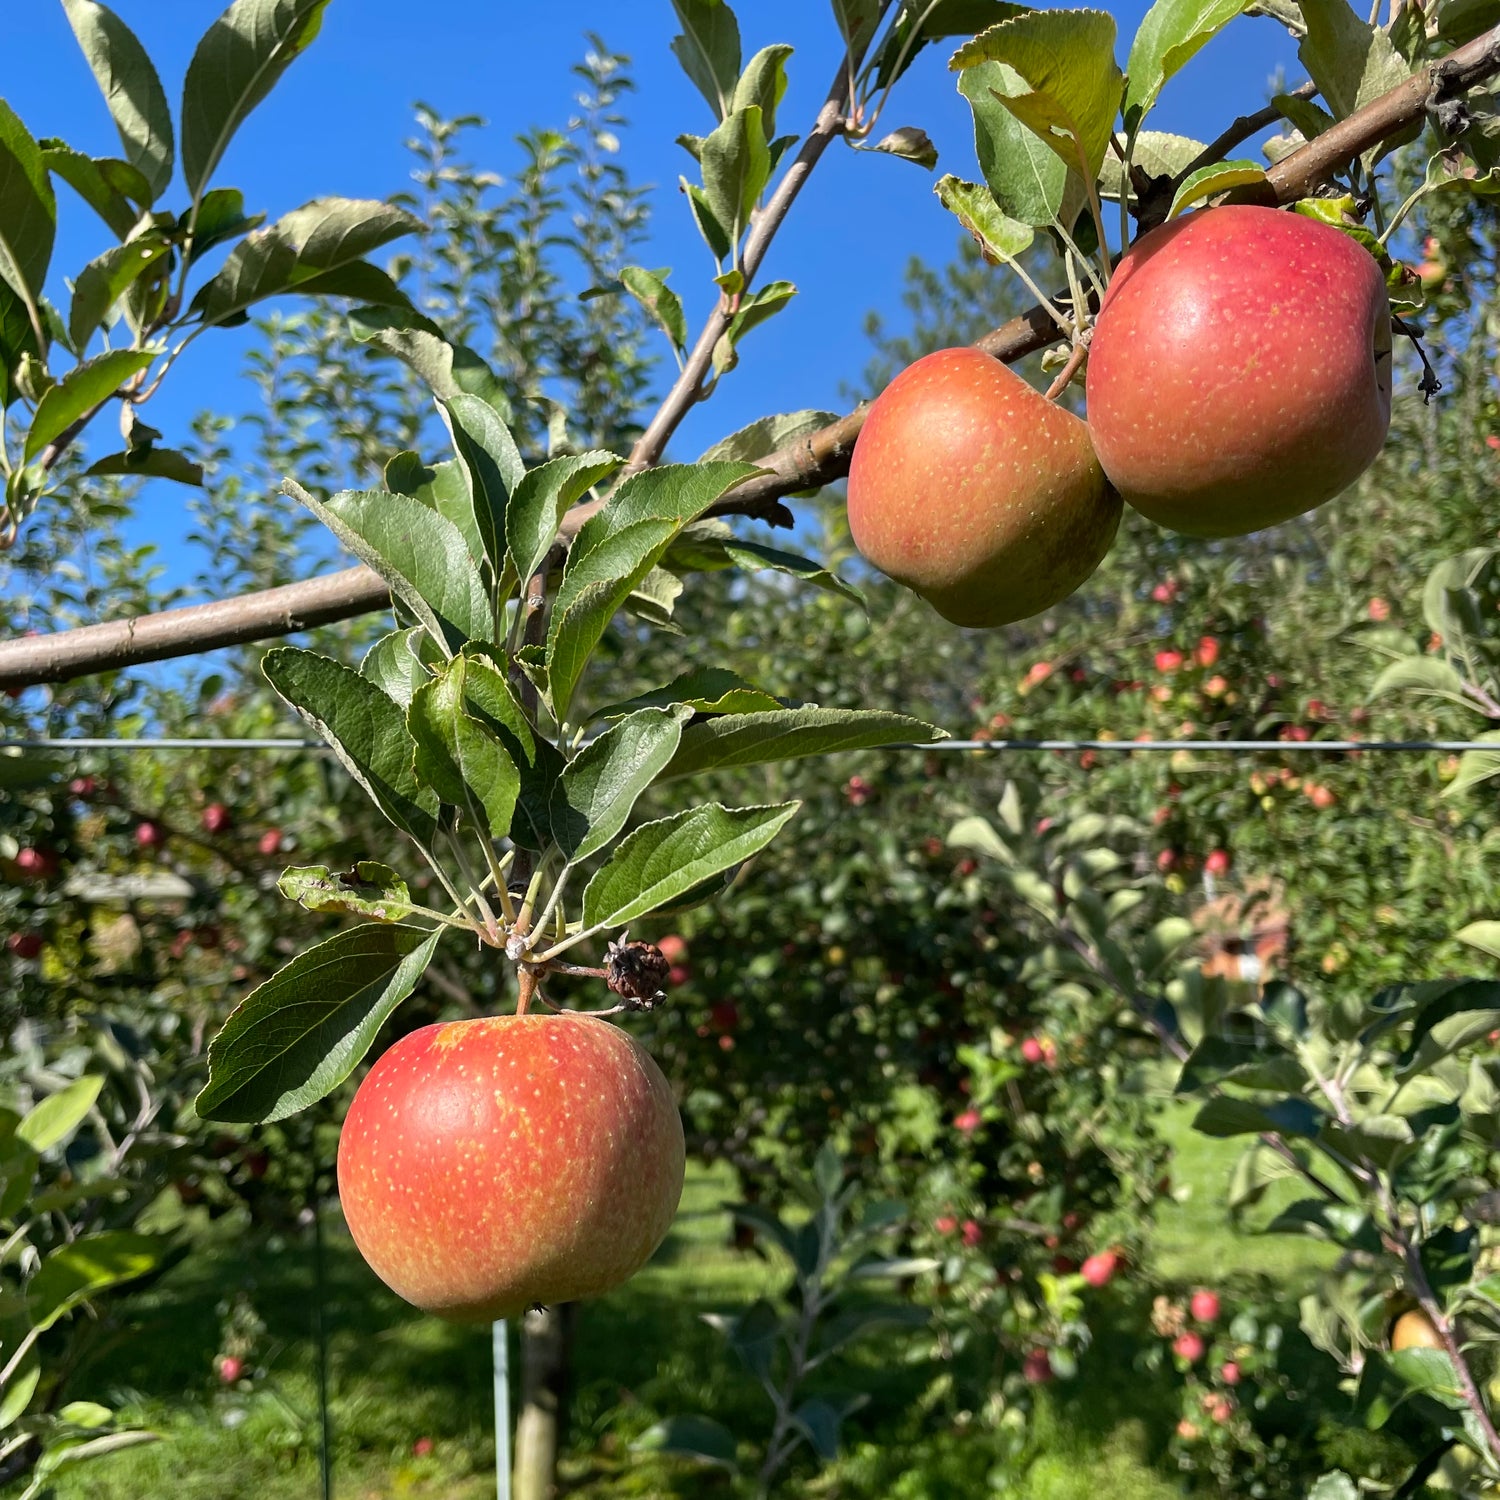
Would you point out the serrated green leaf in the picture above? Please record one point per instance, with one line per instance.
(302, 252)
(1073, 85)
(82, 389)
(125, 75)
(54, 1119)
(393, 665)
(791, 733)
(661, 303)
(709, 50)
(299, 1035)
(661, 861)
(594, 796)
(112, 188)
(1351, 61)
(149, 463)
(75, 1272)
(1208, 182)
(105, 280)
(365, 728)
(492, 462)
(1170, 33)
(973, 205)
(368, 889)
(541, 499)
(1026, 178)
(443, 487)
(706, 690)
(459, 756)
(736, 165)
(235, 65)
(28, 210)
(419, 343)
(420, 554)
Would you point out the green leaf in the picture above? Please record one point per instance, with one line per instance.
(1351, 61)
(858, 21)
(1335, 1485)
(766, 434)
(75, 1272)
(791, 733)
(365, 728)
(699, 1438)
(137, 102)
(82, 389)
(1208, 182)
(420, 554)
(1073, 85)
(221, 217)
(763, 83)
(86, 1414)
(444, 488)
(18, 1394)
(650, 289)
(1225, 1116)
(661, 861)
(978, 835)
(368, 889)
(1170, 33)
(1249, 1061)
(819, 1420)
(757, 557)
(541, 499)
(460, 757)
(920, 22)
(106, 279)
(236, 64)
(149, 463)
(299, 1035)
(1157, 153)
(594, 796)
(736, 167)
(489, 699)
(447, 368)
(112, 188)
(973, 205)
(1430, 676)
(715, 235)
(910, 143)
(1482, 935)
(709, 50)
(754, 309)
(28, 210)
(706, 690)
(614, 551)
(1026, 177)
(17, 341)
(54, 1119)
(855, 1323)
(393, 665)
(1310, 118)
(301, 252)
(492, 462)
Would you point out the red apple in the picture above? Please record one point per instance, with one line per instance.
(945, 1224)
(37, 864)
(972, 1233)
(1168, 661)
(1378, 610)
(1217, 862)
(673, 948)
(489, 1165)
(1240, 369)
(1205, 1306)
(968, 1122)
(1099, 1270)
(217, 818)
(972, 489)
(1036, 1368)
(230, 1367)
(724, 1015)
(270, 841)
(1207, 652)
(1031, 1050)
(1188, 1346)
(1229, 1372)
(149, 835)
(24, 944)
(1166, 860)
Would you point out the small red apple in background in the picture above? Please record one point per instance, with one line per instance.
(1207, 651)
(972, 1233)
(1099, 1269)
(37, 864)
(1188, 1346)
(1204, 1306)
(1240, 369)
(1322, 797)
(488, 1165)
(149, 835)
(1219, 1408)
(1168, 661)
(1167, 860)
(1031, 1050)
(673, 948)
(679, 974)
(724, 1015)
(229, 1368)
(968, 1122)
(270, 842)
(83, 787)
(1165, 592)
(1217, 862)
(1187, 1431)
(1036, 1368)
(975, 491)
(422, 1447)
(1038, 672)
(1229, 1372)
(217, 818)
(1378, 610)
(25, 945)
(945, 1224)
(857, 791)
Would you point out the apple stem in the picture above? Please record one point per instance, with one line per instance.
(527, 980)
(1069, 370)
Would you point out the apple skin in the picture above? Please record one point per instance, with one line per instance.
(978, 493)
(486, 1166)
(1240, 370)
(1414, 1330)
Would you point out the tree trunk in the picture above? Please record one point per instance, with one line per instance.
(546, 1374)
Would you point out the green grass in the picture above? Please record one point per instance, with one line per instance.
(396, 1377)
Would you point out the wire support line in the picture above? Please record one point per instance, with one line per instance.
(1129, 747)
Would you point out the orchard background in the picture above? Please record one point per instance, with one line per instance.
(1055, 1120)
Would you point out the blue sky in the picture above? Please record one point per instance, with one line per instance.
(336, 124)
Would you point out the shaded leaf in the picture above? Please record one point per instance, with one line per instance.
(766, 434)
(1169, 35)
(709, 50)
(459, 756)
(447, 368)
(1027, 179)
(113, 189)
(910, 143)
(706, 690)
(689, 1437)
(1208, 182)
(1224, 1116)
(541, 499)
(650, 289)
(393, 665)
(149, 463)
(492, 462)
(791, 733)
(28, 210)
(105, 280)
(299, 1035)
(82, 389)
(73, 1273)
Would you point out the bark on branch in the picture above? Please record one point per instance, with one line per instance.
(817, 459)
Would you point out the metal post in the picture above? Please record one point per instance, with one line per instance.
(502, 1411)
